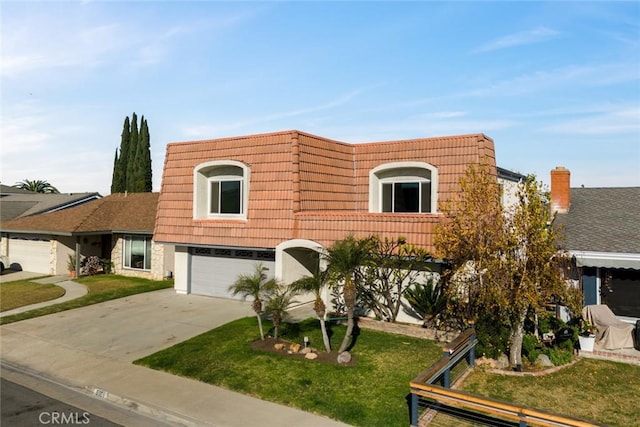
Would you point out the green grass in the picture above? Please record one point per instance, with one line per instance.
(602, 391)
(25, 292)
(370, 393)
(101, 288)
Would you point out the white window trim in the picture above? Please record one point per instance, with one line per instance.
(375, 183)
(202, 189)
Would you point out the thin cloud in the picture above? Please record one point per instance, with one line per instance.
(622, 121)
(537, 35)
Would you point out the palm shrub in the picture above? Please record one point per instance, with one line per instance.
(277, 303)
(426, 301)
(315, 284)
(258, 287)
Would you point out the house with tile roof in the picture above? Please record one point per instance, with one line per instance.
(118, 227)
(601, 228)
(279, 198)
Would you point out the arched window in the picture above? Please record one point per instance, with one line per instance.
(221, 190)
(403, 187)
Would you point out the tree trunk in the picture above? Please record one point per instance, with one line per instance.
(348, 335)
(260, 326)
(350, 303)
(325, 336)
(515, 349)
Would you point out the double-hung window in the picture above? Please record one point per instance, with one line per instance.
(137, 252)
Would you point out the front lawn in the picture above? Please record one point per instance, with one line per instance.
(602, 391)
(25, 292)
(371, 392)
(101, 287)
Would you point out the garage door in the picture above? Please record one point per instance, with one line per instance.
(213, 270)
(30, 254)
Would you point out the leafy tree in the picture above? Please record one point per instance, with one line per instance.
(345, 258)
(256, 286)
(277, 303)
(37, 186)
(504, 263)
(393, 266)
(119, 180)
(132, 162)
(316, 284)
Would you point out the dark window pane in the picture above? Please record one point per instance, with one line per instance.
(387, 197)
(230, 197)
(406, 197)
(215, 197)
(426, 197)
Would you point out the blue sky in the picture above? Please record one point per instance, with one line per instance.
(553, 83)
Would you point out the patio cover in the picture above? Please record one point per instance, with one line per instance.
(612, 333)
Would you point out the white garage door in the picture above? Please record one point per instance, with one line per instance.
(213, 270)
(30, 254)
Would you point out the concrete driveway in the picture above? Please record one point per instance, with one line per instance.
(91, 349)
(129, 328)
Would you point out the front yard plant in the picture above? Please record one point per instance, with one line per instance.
(370, 392)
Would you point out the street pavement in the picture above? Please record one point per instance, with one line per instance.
(90, 350)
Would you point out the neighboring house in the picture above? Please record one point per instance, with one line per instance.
(601, 227)
(118, 227)
(17, 203)
(509, 182)
(278, 198)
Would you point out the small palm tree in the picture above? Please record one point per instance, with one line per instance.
(315, 284)
(256, 286)
(426, 300)
(37, 186)
(277, 304)
(345, 258)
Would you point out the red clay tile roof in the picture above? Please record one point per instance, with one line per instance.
(309, 187)
(133, 212)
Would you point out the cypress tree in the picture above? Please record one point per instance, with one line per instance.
(118, 184)
(132, 167)
(144, 156)
(114, 176)
(132, 162)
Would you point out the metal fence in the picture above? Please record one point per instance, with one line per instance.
(434, 402)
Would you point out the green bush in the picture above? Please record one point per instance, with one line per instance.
(533, 355)
(493, 337)
(529, 343)
(560, 356)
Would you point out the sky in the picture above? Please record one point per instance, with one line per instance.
(552, 83)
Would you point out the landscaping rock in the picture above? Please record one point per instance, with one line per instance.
(344, 357)
(279, 346)
(295, 347)
(502, 362)
(486, 363)
(306, 350)
(544, 361)
(311, 356)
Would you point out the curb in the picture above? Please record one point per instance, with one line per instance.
(150, 411)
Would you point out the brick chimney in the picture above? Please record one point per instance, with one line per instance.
(560, 190)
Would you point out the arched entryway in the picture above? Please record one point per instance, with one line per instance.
(298, 258)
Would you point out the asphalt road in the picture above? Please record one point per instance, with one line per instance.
(22, 406)
(28, 399)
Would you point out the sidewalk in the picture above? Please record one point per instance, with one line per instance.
(90, 349)
(73, 290)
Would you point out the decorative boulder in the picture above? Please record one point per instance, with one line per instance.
(311, 356)
(295, 347)
(306, 350)
(344, 357)
(279, 346)
(544, 361)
